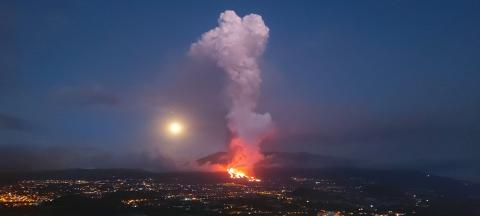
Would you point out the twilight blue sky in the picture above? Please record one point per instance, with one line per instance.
(90, 83)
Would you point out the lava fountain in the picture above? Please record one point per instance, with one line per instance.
(237, 174)
(236, 45)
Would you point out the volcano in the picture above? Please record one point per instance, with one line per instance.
(283, 159)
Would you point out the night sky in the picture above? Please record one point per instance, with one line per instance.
(90, 84)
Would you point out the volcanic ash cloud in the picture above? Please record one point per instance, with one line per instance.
(236, 46)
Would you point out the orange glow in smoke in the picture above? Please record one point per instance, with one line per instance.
(244, 157)
(240, 160)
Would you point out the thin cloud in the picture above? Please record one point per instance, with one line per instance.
(27, 157)
(8, 122)
(88, 96)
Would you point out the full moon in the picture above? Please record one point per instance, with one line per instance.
(175, 128)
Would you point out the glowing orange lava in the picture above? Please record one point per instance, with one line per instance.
(238, 174)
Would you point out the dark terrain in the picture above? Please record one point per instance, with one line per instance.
(282, 191)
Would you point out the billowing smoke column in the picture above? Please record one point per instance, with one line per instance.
(236, 45)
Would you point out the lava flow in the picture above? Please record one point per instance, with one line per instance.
(238, 174)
